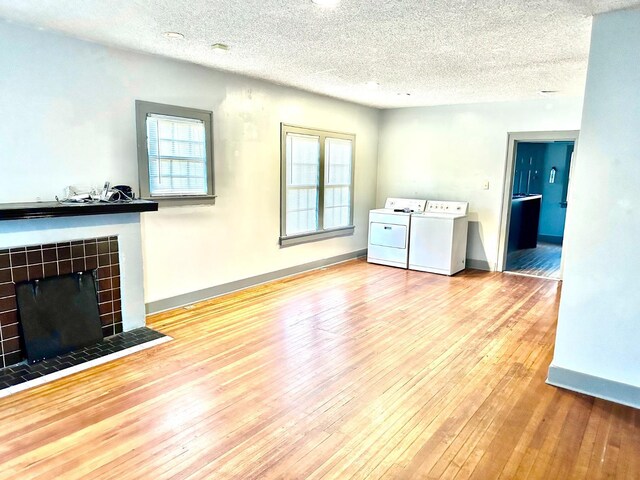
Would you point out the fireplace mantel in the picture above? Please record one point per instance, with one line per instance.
(22, 211)
(38, 233)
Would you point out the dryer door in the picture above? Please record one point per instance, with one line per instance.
(388, 235)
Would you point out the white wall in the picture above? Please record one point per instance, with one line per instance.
(68, 118)
(599, 320)
(446, 153)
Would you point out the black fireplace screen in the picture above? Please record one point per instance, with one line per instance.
(58, 314)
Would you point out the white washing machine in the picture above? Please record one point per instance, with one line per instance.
(389, 229)
(438, 238)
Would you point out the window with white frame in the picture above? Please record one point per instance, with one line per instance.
(317, 184)
(174, 153)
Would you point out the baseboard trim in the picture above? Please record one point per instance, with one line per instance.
(555, 239)
(216, 291)
(611, 390)
(479, 264)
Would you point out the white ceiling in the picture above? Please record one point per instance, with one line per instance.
(440, 52)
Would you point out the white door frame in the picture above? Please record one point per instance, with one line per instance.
(505, 213)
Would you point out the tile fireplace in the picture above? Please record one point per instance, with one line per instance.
(36, 262)
(42, 240)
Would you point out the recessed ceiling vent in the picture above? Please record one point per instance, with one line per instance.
(220, 47)
(174, 35)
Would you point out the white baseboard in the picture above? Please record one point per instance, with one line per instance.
(595, 386)
(480, 265)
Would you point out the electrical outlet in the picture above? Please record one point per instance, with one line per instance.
(485, 185)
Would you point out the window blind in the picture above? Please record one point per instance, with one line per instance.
(302, 167)
(337, 182)
(177, 156)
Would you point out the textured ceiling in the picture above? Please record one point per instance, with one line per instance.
(439, 52)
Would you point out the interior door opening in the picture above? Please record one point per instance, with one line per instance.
(536, 191)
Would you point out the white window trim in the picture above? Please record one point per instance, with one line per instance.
(142, 110)
(320, 234)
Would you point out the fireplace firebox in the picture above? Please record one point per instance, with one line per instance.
(37, 262)
(58, 314)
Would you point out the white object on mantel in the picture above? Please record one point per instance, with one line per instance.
(42, 231)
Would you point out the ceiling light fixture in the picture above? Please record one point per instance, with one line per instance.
(220, 47)
(326, 3)
(174, 35)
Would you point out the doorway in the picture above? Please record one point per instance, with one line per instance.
(535, 204)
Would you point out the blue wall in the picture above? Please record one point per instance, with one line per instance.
(553, 211)
(528, 168)
(531, 175)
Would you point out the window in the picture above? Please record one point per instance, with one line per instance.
(175, 160)
(317, 185)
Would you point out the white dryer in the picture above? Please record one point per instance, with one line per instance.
(389, 229)
(438, 238)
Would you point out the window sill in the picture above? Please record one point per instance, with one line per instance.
(184, 201)
(292, 240)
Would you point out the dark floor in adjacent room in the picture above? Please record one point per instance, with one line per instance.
(543, 261)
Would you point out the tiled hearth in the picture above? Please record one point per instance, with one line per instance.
(132, 340)
(40, 261)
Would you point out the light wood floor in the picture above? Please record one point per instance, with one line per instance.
(355, 371)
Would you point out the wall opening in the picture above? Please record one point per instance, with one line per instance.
(535, 203)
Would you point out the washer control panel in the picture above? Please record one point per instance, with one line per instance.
(453, 208)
